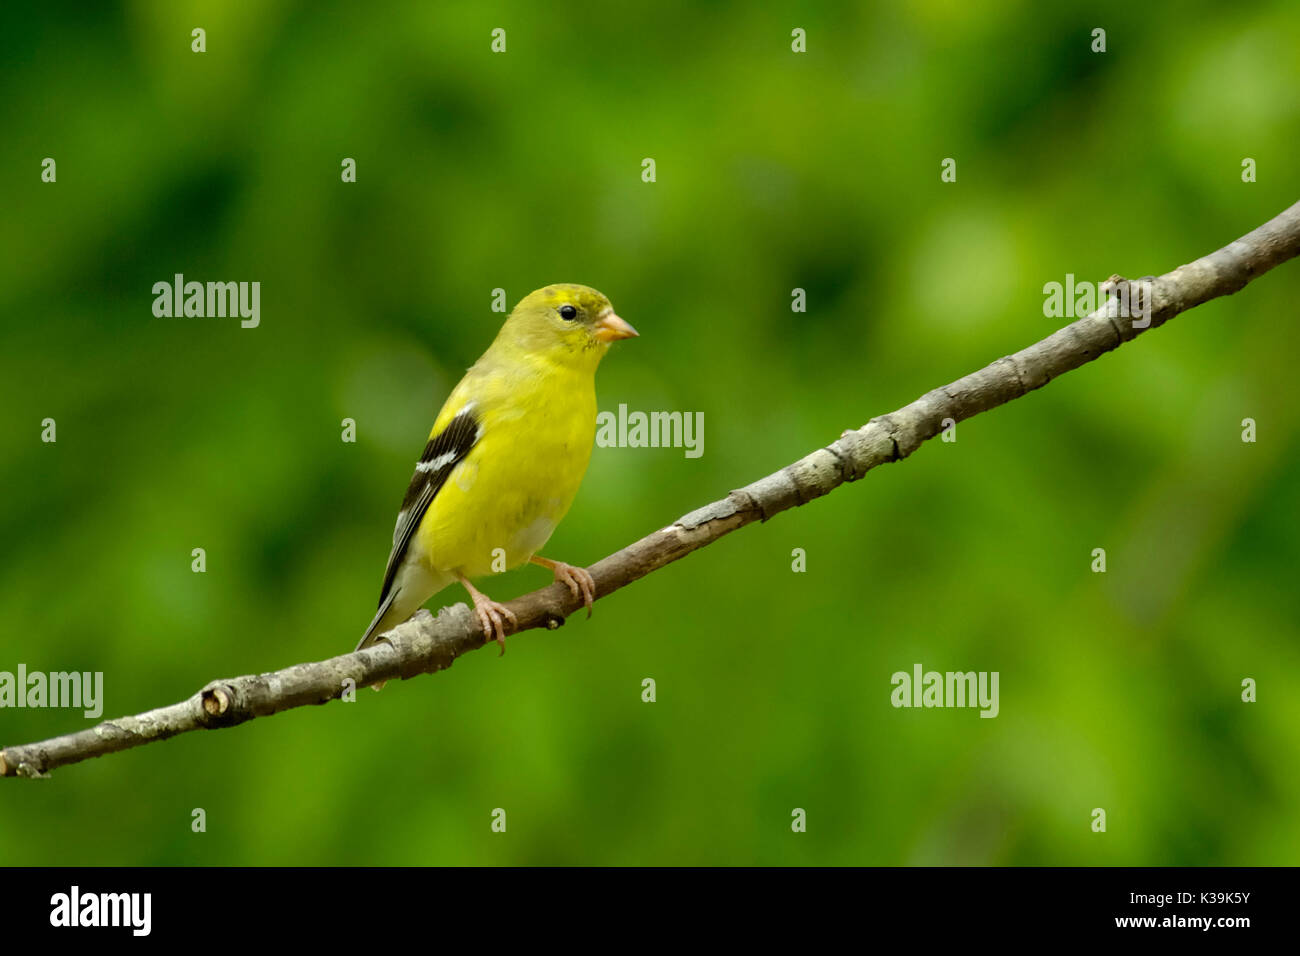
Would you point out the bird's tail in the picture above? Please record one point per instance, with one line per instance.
(378, 624)
(386, 618)
(414, 586)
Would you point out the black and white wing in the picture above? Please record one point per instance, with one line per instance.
(445, 450)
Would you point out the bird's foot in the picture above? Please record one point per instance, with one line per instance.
(579, 580)
(492, 616)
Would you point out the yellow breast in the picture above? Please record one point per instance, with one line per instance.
(501, 504)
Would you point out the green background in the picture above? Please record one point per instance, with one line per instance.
(775, 170)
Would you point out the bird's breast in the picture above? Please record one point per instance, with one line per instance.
(503, 502)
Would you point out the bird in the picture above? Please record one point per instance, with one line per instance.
(503, 461)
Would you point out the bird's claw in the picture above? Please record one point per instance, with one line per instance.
(492, 616)
(580, 582)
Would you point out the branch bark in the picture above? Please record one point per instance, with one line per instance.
(426, 644)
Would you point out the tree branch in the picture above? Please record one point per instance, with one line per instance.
(426, 644)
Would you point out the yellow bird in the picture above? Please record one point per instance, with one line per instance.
(504, 460)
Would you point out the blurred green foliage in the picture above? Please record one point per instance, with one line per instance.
(775, 170)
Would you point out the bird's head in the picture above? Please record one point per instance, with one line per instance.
(566, 321)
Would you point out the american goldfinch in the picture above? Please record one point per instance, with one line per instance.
(504, 460)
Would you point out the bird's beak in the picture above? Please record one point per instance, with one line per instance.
(609, 328)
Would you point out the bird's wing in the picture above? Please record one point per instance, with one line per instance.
(445, 450)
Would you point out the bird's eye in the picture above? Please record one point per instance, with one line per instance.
(568, 312)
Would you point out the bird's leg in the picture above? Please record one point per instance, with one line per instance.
(490, 614)
(578, 579)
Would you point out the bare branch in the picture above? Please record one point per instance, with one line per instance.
(426, 643)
